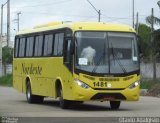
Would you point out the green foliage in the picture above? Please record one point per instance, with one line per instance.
(144, 33)
(6, 80)
(148, 84)
(156, 20)
(156, 35)
(7, 55)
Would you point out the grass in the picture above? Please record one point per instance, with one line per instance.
(148, 84)
(6, 80)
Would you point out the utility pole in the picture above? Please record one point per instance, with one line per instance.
(8, 31)
(8, 22)
(18, 20)
(98, 11)
(152, 44)
(1, 40)
(137, 23)
(133, 12)
(99, 16)
(1, 19)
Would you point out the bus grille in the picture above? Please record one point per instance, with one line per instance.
(116, 96)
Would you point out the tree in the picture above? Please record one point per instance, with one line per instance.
(154, 20)
(155, 34)
(144, 33)
(7, 56)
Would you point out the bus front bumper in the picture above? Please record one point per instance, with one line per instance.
(81, 94)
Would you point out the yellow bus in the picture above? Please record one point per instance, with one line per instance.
(77, 62)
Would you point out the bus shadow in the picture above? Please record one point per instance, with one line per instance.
(88, 107)
(78, 107)
(82, 106)
(51, 103)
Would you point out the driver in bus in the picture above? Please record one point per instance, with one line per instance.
(89, 53)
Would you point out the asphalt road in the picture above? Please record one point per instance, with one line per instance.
(14, 104)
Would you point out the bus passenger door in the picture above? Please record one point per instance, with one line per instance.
(67, 54)
(68, 64)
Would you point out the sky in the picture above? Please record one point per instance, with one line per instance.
(36, 12)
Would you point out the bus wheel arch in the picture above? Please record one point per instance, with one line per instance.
(58, 86)
(59, 93)
(27, 81)
(31, 98)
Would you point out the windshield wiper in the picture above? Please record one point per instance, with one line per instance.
(117, 59)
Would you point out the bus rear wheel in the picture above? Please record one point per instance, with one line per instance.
(115, 104)
(64, 104)
(32, 98)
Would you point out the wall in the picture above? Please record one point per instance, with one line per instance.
(147, 70)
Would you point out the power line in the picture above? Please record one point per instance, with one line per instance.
(82, 16)
(46, 13)
(98, 11)
(121, 18)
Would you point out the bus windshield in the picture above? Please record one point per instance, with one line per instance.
(106, 52)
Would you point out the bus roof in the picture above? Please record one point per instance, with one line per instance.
(78, 26)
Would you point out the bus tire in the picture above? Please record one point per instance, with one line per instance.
(32, 98)
(115, 104)
(64, 104)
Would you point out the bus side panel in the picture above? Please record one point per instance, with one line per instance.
(17, 75)
(52, 70)
(42, 73)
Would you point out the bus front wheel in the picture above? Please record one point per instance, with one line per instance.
(64, 104)
(115, 104)
(32, 98)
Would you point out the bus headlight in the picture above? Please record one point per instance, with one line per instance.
(81, 84)
(133, 85)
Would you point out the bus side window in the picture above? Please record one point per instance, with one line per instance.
(29, 48)
(16, 47)
(58, 44)
(38, 45)
(22, 47)
(48, 45)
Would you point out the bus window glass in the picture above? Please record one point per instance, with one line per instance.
(16, 47)
(123, 52)
(48, 43)
(60, 44)
(106, 52)
(92, 52)
(40, 46)
(36, 46)
(29, 49)
(22, 47)
(56, 44)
